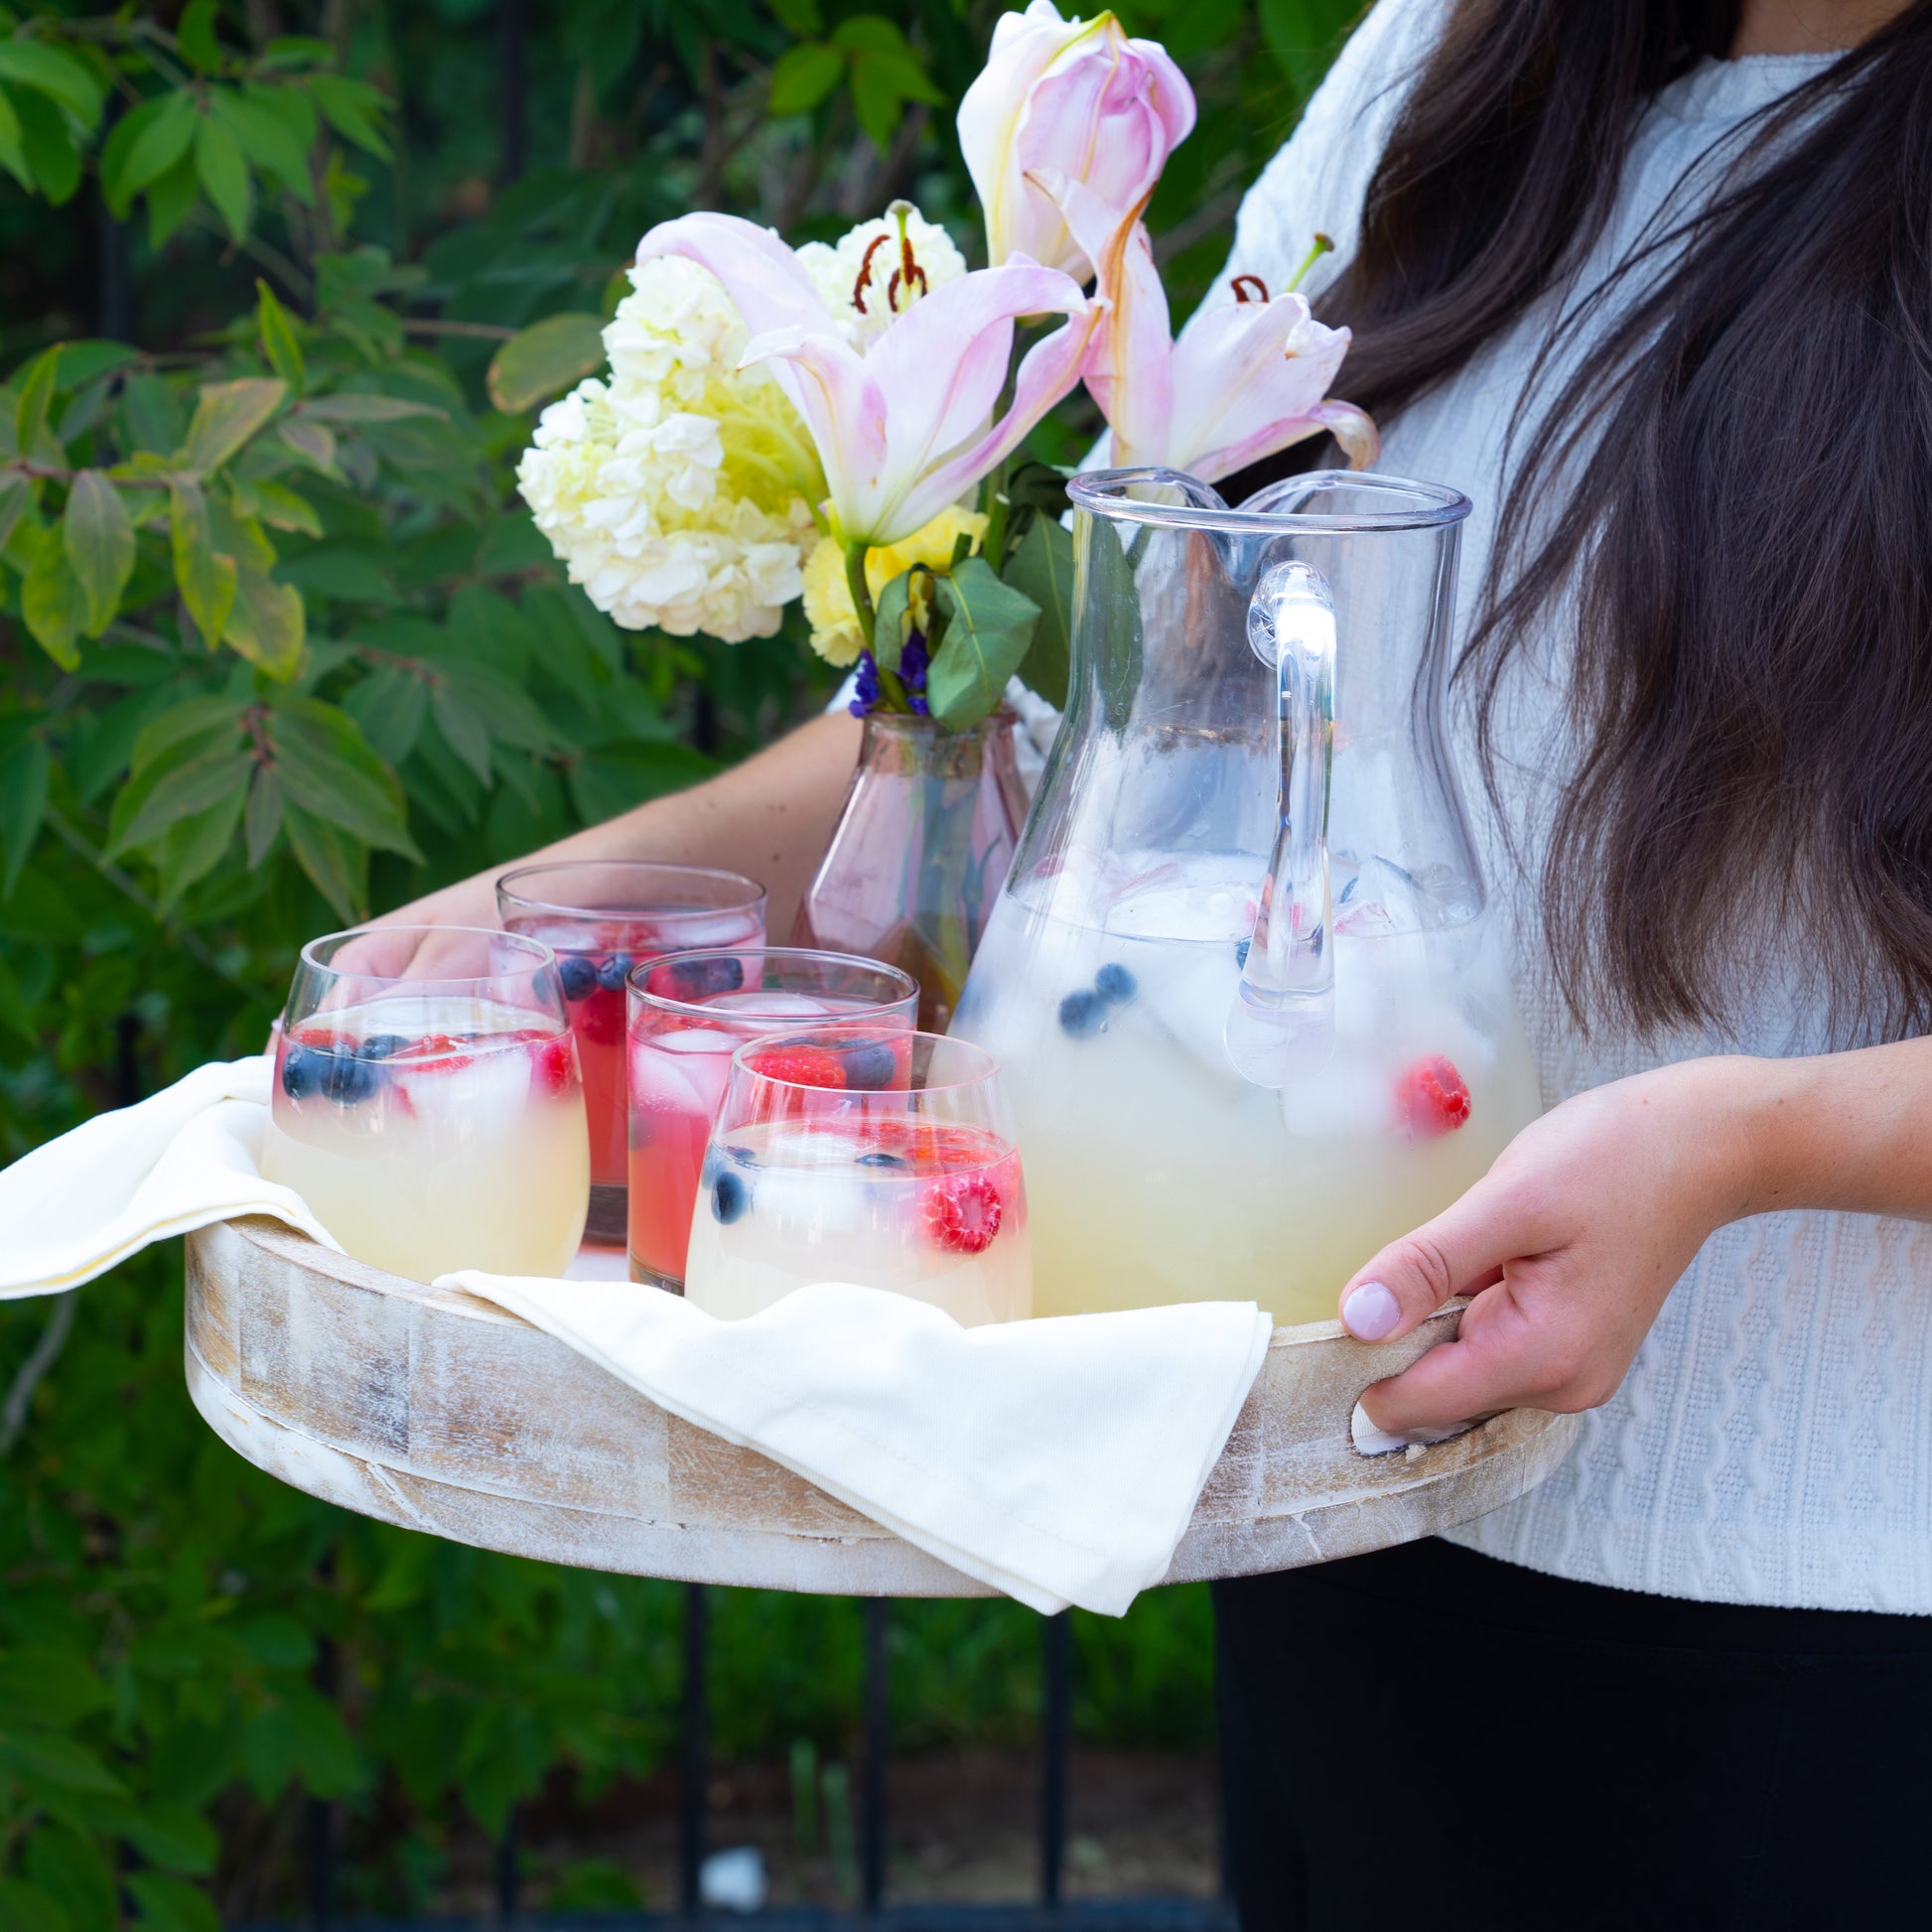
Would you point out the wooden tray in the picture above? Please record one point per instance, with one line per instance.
(430, 1409)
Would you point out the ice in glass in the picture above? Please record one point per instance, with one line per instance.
(427, 1102)
(601, 918)
(689, 1012)
(911, 1183)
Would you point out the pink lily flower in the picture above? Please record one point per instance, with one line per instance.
(1244, 378)
(1073, 96)
(904, 426)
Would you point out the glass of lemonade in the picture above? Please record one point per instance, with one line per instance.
(602, 916)
(906, 1180)
(428, 1103)
(689, 1012)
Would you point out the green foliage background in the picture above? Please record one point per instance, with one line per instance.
(277, 648)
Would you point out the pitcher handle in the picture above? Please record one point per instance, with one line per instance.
(1287, 993)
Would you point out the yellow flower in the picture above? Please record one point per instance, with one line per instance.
(828, 594)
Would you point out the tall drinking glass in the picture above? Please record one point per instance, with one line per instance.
(602, 916)
(689, 1012)
(912, 1184)
(427, 1102)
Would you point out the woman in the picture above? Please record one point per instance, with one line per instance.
(1650, 281)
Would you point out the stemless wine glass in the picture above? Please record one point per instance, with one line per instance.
(427, 1101)
(602, 916)
(909, 1182)
(689, 1012)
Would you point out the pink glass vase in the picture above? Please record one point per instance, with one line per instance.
(921, 852)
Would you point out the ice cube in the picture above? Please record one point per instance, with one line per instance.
(773, 1005)
(483, 1091)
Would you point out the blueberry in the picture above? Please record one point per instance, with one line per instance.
(614, 972)
(1082, 1015)
(699, 979)
(873, 1065)
(743, 1156)
(382, 1047)
(1241, 952)
(730, 1196)
(878, 1160)
(340, 1077)
(578, 975)
(1115, 984)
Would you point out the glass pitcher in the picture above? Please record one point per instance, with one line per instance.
(1254, 1020)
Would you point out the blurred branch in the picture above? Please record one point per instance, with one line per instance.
(34, 1370)
(487, 331)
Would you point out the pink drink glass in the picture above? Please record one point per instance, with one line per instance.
(601, 917)
(689, 1012)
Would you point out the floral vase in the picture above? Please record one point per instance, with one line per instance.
(920, 851)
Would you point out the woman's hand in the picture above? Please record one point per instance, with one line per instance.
(1568, 1244)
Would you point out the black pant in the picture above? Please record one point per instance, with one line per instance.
(1430, 1738)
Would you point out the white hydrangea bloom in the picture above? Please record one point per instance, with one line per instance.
(877, 251)
(677, 491)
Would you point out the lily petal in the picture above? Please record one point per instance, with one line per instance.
(763, 278)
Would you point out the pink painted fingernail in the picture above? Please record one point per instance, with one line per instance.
(1370, 1312)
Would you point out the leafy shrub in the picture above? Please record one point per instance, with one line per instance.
(278, 646)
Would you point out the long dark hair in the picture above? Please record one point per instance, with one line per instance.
(1746, 473)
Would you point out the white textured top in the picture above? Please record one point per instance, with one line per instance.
(1774, 1441)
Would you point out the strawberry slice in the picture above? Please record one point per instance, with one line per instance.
(1432, 1097)
(801, 1066)
(962, 1213)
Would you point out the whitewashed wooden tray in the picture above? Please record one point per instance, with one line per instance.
(430, 1409)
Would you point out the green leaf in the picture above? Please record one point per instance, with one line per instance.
(544, 360)
(162, 132)
(312, 441)
(45, 1759)
(172, 1837)
(16, 493)
(882, 85)
(195, 36)
(172, 1904)
(282, 508)
(263, 824)
(352, 108)
(350, 408)
(44, 1685)
(803, 77)
(47, 138)
(224, 172)
(212, 719)
(1041, 568)
(152, 411)
(36, 398)
(24, 773)
(98, 536)
(171, 200)
(226, 417)
(13, 145)
(267, 623)
(52, 601)
(191, 849)
(330, 770)
(889, 621)
(204, 578)
(991, 625)
(799, 18)
(187, 789)
(27, 1908)
(278, 340)
(319, 851)
(69, 1868)
(55, 71)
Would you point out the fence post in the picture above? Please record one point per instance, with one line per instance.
(508, 1871)
(878, 1726)
(697, 1753)
(1056, 1727)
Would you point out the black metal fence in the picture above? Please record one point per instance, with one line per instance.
(1050, 1910)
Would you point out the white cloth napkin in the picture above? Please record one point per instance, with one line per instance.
(76, 1207)
(1057, 1460)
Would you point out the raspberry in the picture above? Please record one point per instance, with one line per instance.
(555, 1065)
(962, 1213)
(801, 1066)
(1432, 1097)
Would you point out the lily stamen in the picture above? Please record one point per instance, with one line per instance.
(1322, 247)
(865, 274)
(1239, 284)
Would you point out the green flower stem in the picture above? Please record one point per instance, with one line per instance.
(890, 687)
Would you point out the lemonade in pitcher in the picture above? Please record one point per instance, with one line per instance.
(1254, 1017)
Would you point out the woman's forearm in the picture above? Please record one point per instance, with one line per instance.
(1850, 1131)
(769, 817)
